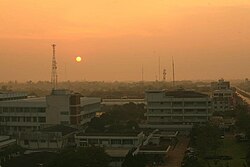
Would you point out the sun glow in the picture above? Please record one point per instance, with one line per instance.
(78, 59)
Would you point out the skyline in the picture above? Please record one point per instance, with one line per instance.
(208, 40)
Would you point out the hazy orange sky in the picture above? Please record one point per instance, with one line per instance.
(209, 39)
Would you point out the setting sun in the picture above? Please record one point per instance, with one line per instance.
(78, 59)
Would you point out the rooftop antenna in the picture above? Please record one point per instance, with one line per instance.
(142, 73)
(54, 69)
(164, 75)
(173, 71)
(159, 67)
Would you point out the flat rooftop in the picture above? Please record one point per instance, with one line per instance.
(180, 93)
(117, 152)
(129, 134)
(41, 102)
(29, 102)
(60, 128)
(90, 100)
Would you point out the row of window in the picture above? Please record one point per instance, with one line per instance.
(112, 141)
(27, 142)
(23, 119)
(22, 109)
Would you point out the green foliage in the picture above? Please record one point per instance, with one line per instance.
(117, 118)
(82, 157)
(11, 149)
(206, 139)
(193, 163)
(134, 161)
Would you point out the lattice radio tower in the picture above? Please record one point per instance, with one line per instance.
(164, 74)
(54, 68)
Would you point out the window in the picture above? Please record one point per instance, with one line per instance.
(93, 141)
(52, 141)
(26, 142)
(28, 119)
(42, 119)
(41, 110)
(34, 119)
(65, 113)
(64, 122)
(128, 141)
(116, 141)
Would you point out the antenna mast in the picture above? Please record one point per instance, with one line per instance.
(173, 72)
(54, 68)
(164, 75)
(142, 73)
(159, 68)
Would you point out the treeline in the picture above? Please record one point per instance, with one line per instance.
(101, 89)
(118, 118)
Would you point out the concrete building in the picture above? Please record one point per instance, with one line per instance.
(117, 145)
(113, 140)
(12, 96)
(176, 110)
(223, 100)
(61, 107)
(223, 96)
(112, 102)
(6, 141)
(54, 137)
(220, 85)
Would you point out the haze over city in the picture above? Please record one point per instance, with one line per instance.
(208, 39)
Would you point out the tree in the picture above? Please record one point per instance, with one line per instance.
(82, 157)
(206, 138)
(134, 161)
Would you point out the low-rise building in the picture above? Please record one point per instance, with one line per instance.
(117, 145)
(176, 110)
(60, 107)
(54, 137)
(113, 140)
(6, 141)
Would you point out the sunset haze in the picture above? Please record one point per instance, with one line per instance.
(115, 38)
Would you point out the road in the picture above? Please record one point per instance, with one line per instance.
(176, 156)
(242, 96)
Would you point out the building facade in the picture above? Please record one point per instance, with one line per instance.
(223, 96)
(177, 109)
(54, 137)
(61, 107)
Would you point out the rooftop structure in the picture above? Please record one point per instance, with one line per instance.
(220, 85)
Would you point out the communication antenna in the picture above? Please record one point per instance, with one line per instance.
(142, 73)
(159, 67)
(54, 69)
(164, 75)
(173, 71)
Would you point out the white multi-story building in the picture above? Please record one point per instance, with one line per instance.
(61, 107)
(178, 109)
(222, 96)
